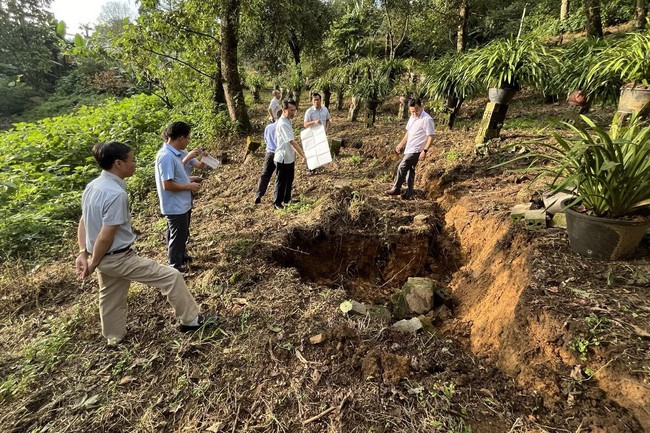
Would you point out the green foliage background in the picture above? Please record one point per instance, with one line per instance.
(44, 167)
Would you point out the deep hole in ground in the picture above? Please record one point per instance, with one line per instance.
(372, 264)
(370, 247)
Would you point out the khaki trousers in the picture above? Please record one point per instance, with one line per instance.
(115, 273)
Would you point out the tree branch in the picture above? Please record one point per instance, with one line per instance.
(182, 62)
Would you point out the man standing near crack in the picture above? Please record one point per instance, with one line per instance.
(285, 154)
(105, 237)
(416, 143)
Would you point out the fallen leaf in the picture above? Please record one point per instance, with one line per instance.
(127, 379)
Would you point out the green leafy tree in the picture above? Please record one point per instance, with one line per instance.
(29, 46)
(186, 52)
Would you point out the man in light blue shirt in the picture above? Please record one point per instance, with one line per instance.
(416, 143)
(269, 166)
(285, 154)
(175, 192)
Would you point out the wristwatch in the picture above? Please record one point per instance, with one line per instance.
(425, 150)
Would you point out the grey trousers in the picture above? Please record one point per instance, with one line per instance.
(178, 231)
(406, 171)
(115, 274)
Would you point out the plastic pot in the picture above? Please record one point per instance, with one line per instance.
(604, 238)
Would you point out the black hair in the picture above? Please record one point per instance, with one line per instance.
(107, 153)
(313, 95)
(287, 102)
(177, 130)
(415, 102)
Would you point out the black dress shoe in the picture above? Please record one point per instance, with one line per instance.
(278, 206)
(258, 200)
(204, 322)
(188, 259)
(392, 192)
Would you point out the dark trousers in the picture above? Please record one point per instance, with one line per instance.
(178, 230)
(267, 171)
(283, 183)
(406, 170)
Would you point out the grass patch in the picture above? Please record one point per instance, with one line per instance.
(46, 351)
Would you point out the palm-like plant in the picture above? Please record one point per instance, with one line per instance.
(628, 60)
(609, 172)
(445, 79)
(575, 66)
(510, 63)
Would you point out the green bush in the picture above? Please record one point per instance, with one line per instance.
(44, 167)
(15, 97)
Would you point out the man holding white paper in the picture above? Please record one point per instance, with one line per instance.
(285, 154)
(317, 114)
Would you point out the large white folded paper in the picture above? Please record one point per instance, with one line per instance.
(210, 161)
(314, 143)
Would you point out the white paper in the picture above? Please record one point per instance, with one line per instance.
(210, 161)
(315, 146)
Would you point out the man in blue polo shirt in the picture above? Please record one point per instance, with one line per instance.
(175, 191)
(269, 165)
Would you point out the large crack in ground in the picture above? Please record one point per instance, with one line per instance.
(370, 251)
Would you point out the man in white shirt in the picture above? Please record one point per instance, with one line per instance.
(416, 142)
(317, 114)
(274, 106)
(285, 154)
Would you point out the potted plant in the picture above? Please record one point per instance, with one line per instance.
(575, 61)
(610, 175)
(446, 82)
(627, 61)
(372, 80)
(505, 65)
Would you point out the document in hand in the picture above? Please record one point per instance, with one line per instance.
(210, 161)
(314, 143)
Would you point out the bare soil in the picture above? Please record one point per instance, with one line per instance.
(538, 339)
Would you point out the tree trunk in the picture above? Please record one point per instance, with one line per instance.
(218, 95)
(641, 13)
(327, 95)
(461, 32)
(564, 10)
(339, 100)
(594, 23)
(231, 80)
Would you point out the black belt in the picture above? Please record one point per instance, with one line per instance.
(121, 250)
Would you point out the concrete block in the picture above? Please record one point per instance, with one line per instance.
(553, 203)
(252, 145)
(535, 219)
(519, 211)
(559, 220)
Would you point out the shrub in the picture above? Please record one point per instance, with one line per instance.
(44, 167)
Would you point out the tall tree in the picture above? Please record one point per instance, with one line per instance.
(461, 32)
(594, 22)
(397, 15)
(178, 50)
(29, 43)
(641, 14)
(564, 10)
(230, 15)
